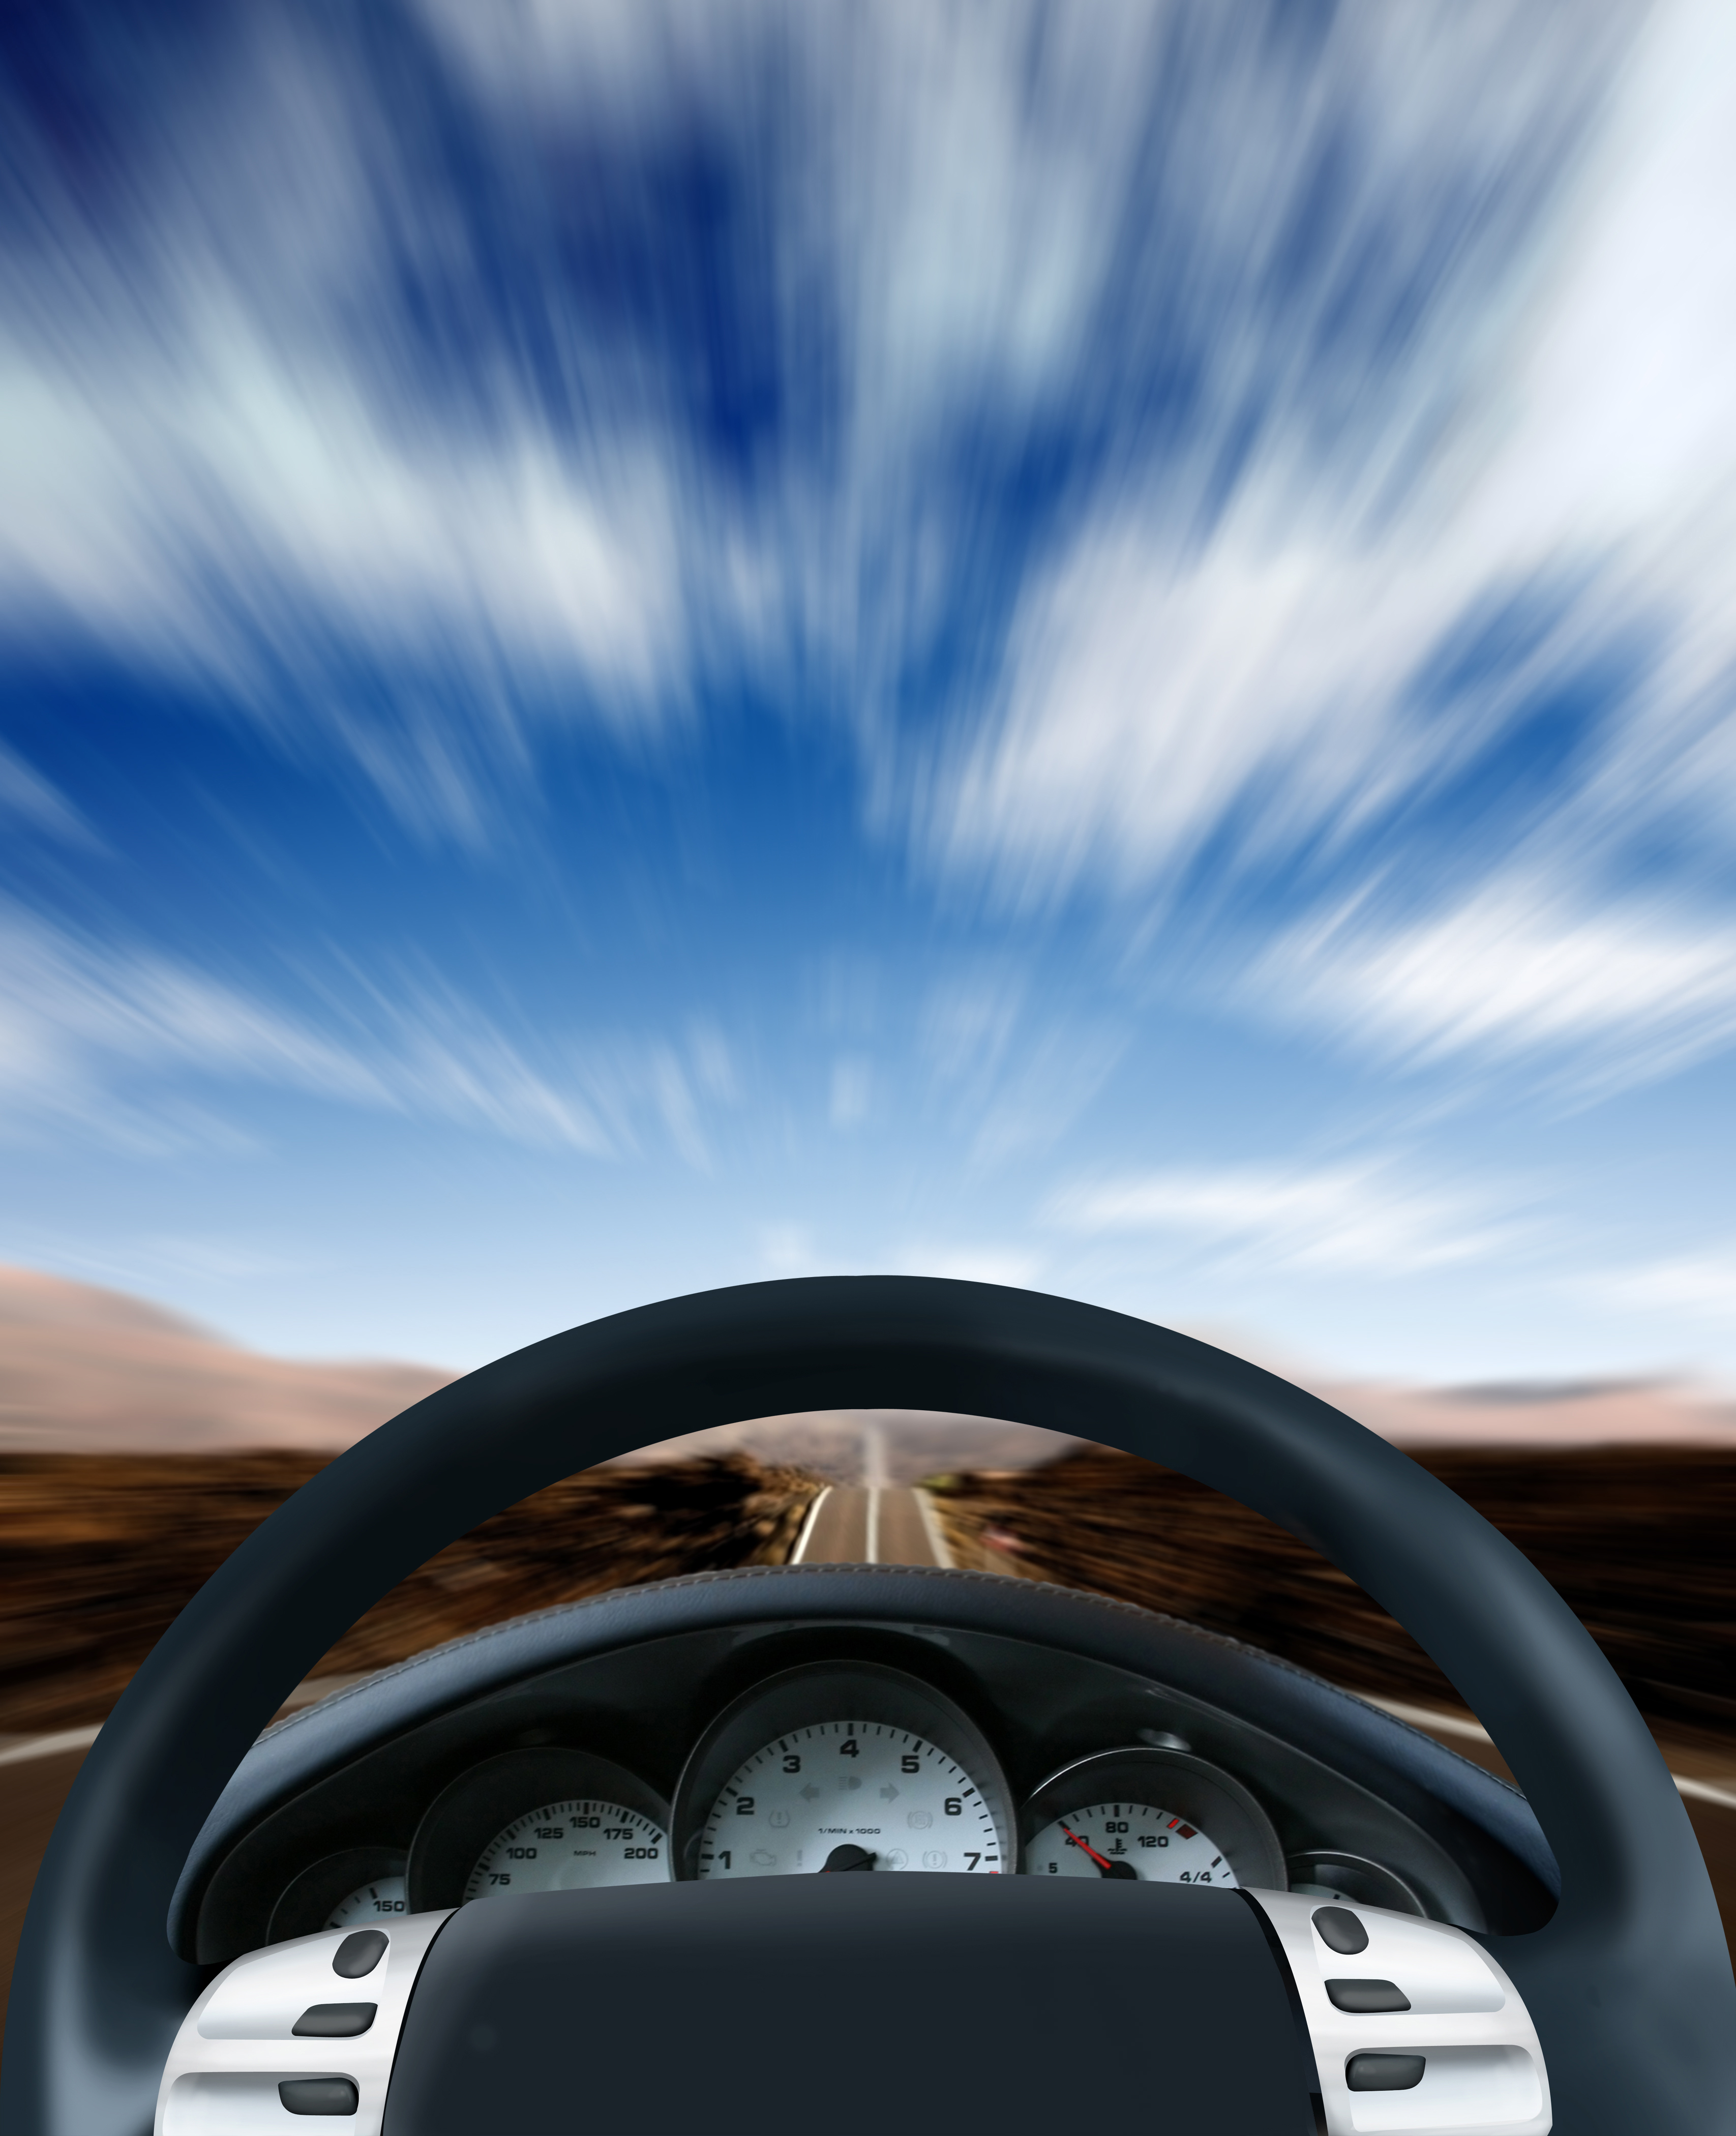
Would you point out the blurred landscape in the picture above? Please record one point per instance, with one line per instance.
(138, 1451)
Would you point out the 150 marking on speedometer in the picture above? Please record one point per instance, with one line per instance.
(571, 1846)
(855, 1785)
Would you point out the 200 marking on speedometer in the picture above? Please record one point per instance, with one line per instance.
(571, 1846)
(850, 1785)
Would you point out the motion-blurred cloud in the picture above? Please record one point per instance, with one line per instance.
(646, 644)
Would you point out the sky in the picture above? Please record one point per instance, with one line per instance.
(648, 645)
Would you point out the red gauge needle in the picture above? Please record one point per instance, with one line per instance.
(1119, 1869)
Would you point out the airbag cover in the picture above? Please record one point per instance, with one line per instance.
(705, 2008)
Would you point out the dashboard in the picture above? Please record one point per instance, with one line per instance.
(839, 1720)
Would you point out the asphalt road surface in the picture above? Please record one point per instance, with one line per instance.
(870, 1524)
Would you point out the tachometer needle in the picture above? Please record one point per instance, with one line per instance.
(846, 1857)
(1124, 1870)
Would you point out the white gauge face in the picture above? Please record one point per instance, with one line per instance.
(1127, 1839)
(860, 1785)
(378, 1901)
(570, 1847)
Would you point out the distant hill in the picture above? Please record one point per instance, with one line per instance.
(88, 1369)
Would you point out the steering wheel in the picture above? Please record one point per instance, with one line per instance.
(1629, 1985)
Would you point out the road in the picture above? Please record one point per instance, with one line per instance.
(871, 1524)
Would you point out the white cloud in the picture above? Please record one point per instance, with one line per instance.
(214, 456)
(224, 449)
(968, 1023)
(75, 1017)
(29, 798)
(852, 1091)
(106, 1041)
(1242, 698)
(1351, 1218)
(789, 1249)
(1520, 968)
(967, 1263)
(1691, 1287)
(1157, 697)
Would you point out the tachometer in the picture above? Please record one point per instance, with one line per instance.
(1153, 1816)
(543, 1820)
(849, 1794)
(835, 1768)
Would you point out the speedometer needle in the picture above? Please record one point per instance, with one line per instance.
(1124, 1870)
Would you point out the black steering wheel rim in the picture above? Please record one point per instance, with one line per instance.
(1629, 1984)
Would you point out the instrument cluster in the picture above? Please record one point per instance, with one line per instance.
(824, 1768)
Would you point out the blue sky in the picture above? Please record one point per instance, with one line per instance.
(646, 645)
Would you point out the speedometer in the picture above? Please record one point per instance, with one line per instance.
(370, 1903)
(537, 1820)
(852, 1766)
(570, 1846)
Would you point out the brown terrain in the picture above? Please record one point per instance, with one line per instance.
(1637, 1540)
(137, 1451)
(103, 1551)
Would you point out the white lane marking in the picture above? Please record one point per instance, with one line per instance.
(49, 1746)
(871, 1530)
(932, 1529)
(1703, 1791)
(1426, 1717)
(21, 1749)
(807, 1536)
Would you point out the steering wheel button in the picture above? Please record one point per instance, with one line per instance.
(344, 2021)
(1360, 1996)
(360, 1954)
(1339, 1930)
(318, 2094)
(1384, 2072)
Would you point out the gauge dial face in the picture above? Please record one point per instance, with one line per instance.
(1127, 1839)
(368, 1903)
(571, 1846)
(860, 1785)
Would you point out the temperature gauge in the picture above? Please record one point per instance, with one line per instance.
(1136, 1841)
(1151, 1817)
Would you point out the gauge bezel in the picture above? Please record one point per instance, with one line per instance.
(473, 1811)
(1175, 1780)
(1368, 1883)
(810, 1696)
(305, 1903)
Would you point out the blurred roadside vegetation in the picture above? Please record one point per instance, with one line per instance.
(1640, 1541)
(100, 1553)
